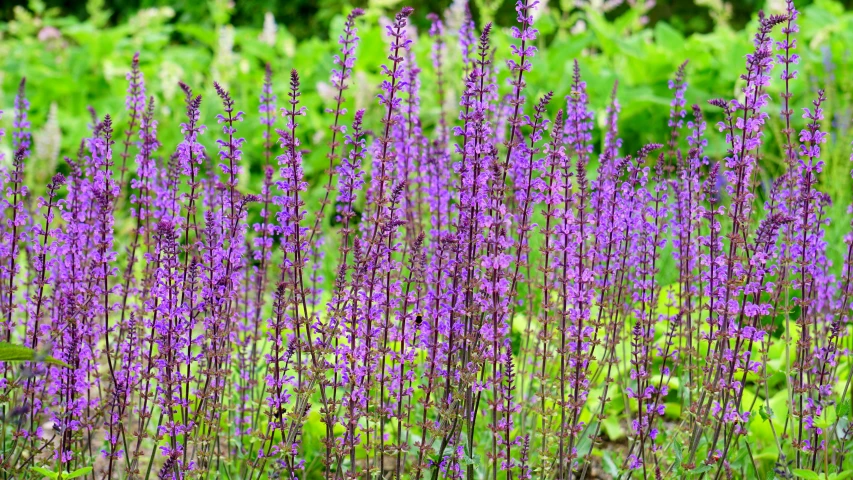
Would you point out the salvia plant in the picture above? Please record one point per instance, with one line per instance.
(477, 295)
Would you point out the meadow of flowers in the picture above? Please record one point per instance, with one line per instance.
(497, 307)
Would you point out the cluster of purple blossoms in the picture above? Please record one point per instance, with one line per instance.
(498, 299)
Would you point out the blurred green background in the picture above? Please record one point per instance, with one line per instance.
(306, 18)
(76, 55)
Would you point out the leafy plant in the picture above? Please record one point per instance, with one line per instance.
(18, 353)
(46, 472)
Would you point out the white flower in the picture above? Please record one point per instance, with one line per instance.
(170, 74)
(455, 15)
(223, 64)
(47, 142)
(268, 34)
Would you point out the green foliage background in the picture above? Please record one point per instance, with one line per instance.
(307, 18)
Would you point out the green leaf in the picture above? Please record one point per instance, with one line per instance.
(613, 428)
(77, 473)
(807, 474)
(609, 465)
(679, 455)
(766, 413)
(701, 469)
(19, 353)
(842, 475)
(668, 37)
(204, 35)
(841, 427)
(585, 444)
(844, 408)
(45, 472)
